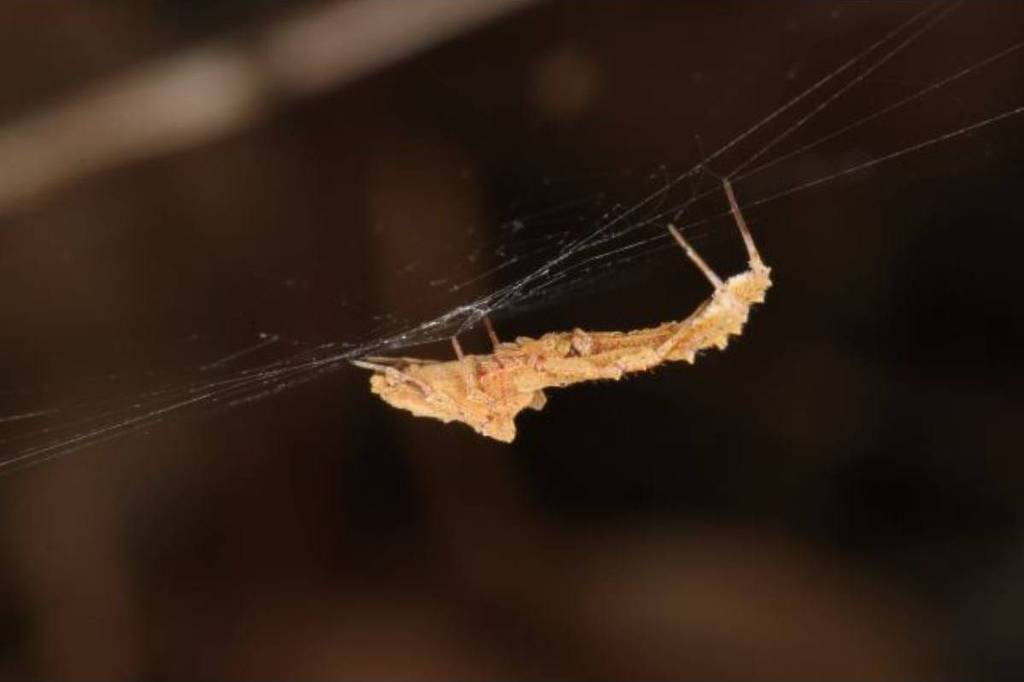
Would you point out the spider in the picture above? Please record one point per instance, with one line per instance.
(486, 392)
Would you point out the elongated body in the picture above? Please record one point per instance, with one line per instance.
(488, 391)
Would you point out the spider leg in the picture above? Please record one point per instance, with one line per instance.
(458, 348)
(394, 373)
(397, 360)
(715, 280)
(466, 369)
(372, 366)
(490, 332)
(752, 253)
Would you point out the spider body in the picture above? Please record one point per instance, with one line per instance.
(486, 392)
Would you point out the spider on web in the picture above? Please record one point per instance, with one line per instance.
(486, 392)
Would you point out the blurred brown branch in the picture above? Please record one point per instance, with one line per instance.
(191, 98)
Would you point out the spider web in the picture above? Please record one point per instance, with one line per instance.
(541, 256)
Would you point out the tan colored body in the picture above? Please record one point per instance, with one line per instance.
(488, 391)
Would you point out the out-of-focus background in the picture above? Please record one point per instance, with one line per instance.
(837, 496)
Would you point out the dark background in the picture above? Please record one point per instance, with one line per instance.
(837, 496)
